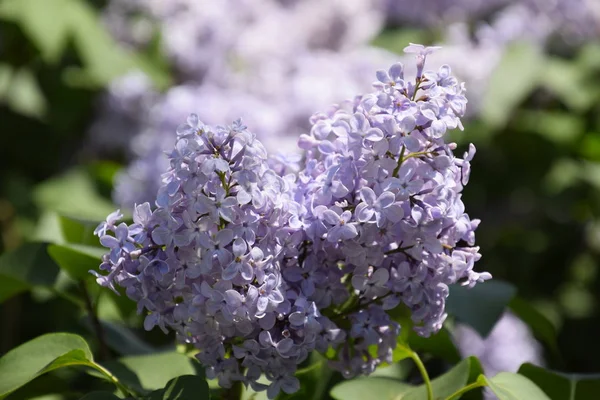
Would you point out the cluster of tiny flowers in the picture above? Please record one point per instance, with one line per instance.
(384, 190)
(258, 265)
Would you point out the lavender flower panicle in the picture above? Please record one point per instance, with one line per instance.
(257, 265)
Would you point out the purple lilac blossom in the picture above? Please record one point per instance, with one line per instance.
(257, 266)
(509, 344)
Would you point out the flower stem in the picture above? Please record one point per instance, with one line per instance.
(400, 161)
(415, 357)
(464, 390)
(124, 389)
(358, 306)
(97, 326)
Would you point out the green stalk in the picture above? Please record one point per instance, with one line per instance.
(124, 389)
(464, 390)
(415, 357)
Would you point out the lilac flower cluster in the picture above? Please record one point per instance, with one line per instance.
(257, 266)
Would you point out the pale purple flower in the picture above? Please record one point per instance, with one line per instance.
(342, 228)
(381, 207)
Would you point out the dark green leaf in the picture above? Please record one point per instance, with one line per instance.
(475, 371)
(439, 345)
(73, 194)
(78, 231)
(40, 386)
(186, 387)
(560, 386)
(45, 22)
(104, 172)
(480, 306)
(150, 372)
(24, 268)
(76, 260)
(40, 355)
(541, 327)
(121, 339)
(509, 386)
(100, 396)
(314, 380)
(561, 128)
(370, 388)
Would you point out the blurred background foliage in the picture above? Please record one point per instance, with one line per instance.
(535, 181)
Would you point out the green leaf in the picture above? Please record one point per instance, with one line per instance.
(76, 260)
(43, 354)
(396, 40)
(444, 385)
(570, 82)
(121, 339)
(40, 386)
(560, 386)
(370, 388)
(20, 91)
(186, 387)
(399, 370)
(509, 386)
(439, 345)
(104, 172)
(50, 24)
(589, 147)
(512, 81)
(541, 327)
(151, 372)
(480, 306)
(61, 229)
(73, 357)
(73, 194)
(100, 396)
(104, 60)
(314, 380)
(560, 128)
(24, 268)
(79, 231)
(45, 22)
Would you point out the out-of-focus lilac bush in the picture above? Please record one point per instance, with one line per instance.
(509, 345)
(228, 66)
